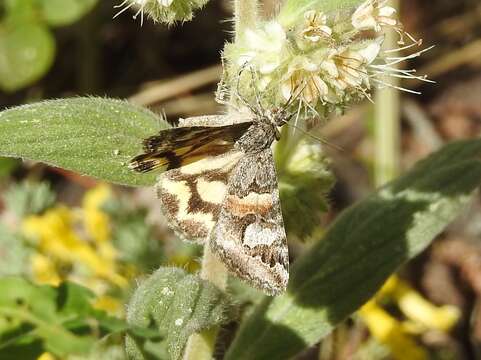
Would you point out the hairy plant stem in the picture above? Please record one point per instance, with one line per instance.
(245, 16)
(387, 123)
(201, 346)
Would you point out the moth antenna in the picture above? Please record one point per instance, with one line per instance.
(239, 95)
(322, 141)
(256, 91)
(292, 97)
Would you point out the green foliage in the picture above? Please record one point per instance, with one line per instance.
(177, 305)
(35, 319)
(92, 136)
(304, 181)
(133, 237)
(29, 198)
(64, 12)
(26, 53)
(27, 46)
(359, 252)
(13, 253)
(7, 166)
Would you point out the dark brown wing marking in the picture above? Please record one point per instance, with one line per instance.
(178, 147)
(191, 196)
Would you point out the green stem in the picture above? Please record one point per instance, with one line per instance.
(387, 124)
(201, 346)
(245, 16)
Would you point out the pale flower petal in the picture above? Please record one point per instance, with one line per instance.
(370, 52)
(321, 87)
(330, 67)
(316, 27)
(309, 65)
(387, 11)
(372, 14)
(286, 89)
(268, 67)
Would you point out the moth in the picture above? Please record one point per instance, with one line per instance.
(220, 187)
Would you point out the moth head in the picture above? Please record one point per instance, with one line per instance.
(276, 118)
(280, 116)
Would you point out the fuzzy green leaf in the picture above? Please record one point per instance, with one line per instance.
(178, 305)
(92, 136)
(359, 252)
(64, 12)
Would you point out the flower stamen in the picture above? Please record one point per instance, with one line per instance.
(124, 9)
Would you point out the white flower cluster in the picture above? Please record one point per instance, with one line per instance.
(140, 6)
(324, 60)
(167, 11)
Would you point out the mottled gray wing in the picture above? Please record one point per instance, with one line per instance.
(249, 235)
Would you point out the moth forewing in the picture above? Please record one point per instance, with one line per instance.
(177, 147)
(249, 235)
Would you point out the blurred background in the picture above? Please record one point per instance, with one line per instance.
(57, 225)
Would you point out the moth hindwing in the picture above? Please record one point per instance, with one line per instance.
(221, 188)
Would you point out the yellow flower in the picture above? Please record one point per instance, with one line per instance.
(96, 222)
(188, 263)
(44, 270)
(109, 304)
(56, 238)
(389, 331)
(421, 311)
(46, 356)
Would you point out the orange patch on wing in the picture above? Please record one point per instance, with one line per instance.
(251, 204)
